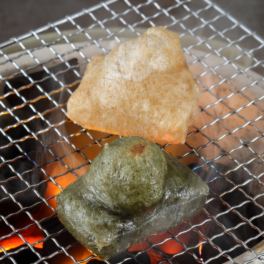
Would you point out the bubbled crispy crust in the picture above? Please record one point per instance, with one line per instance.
(143, 87)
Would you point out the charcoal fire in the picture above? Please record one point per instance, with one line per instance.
(31, 235)
(24, 182)
(36, 166)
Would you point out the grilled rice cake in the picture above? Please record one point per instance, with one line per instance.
(132, 190)
(143, 87)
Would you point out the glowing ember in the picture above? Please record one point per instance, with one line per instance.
(170, 246)
(61, 178)
(32, 235)
(58, 171)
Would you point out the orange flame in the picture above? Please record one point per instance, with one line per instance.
(200, 249)
(58, 171)
(32, 235)
(63, 178)
(60, 179)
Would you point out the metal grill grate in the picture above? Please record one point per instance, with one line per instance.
(39, 71)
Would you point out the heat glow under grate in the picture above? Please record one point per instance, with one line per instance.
(41, 151)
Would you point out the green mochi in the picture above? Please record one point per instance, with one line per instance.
(133, 190)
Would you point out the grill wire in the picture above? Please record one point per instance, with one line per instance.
(202, 26)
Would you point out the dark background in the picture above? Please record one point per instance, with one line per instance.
(20, 16)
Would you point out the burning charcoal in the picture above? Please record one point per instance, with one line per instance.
(94, 217)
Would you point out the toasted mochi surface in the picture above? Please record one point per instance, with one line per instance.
(143, 87)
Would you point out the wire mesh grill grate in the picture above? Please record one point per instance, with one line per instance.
(40, 70)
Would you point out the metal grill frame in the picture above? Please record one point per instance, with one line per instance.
(20, 43)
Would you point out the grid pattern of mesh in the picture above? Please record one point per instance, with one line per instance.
(40, 149)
